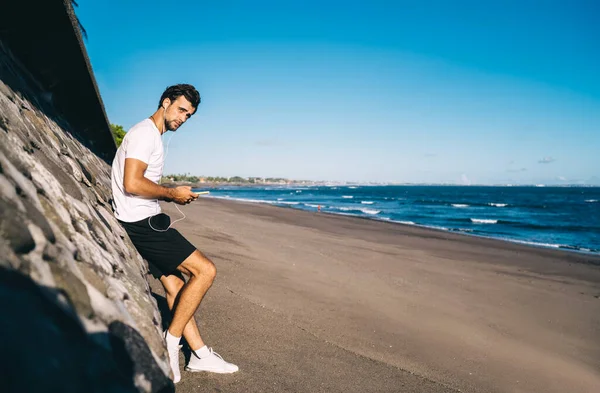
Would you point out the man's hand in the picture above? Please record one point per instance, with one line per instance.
(134, 182)
(183, 195)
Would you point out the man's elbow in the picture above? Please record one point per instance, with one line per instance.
(130, 186)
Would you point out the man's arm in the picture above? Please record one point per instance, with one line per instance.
(134, 182)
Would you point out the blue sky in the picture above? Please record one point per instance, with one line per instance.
(404, 91)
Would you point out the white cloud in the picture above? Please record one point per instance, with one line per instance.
(547, 160)
(465, 180)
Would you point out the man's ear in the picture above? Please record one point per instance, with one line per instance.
(166, 102)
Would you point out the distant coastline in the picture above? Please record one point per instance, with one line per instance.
(218, 181)
(309, 183)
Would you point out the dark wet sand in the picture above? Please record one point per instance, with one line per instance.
(308, 302)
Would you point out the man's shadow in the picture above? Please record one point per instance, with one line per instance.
(166, 317)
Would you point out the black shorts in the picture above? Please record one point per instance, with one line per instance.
(164, 251)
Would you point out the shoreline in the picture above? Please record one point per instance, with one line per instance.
(560, 248)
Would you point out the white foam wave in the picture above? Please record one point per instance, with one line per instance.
(311, 205)
(347, 196)
(352, 187)
(397, 221)
(483, 221)
(460, 205)
(498, 204)
(280, 199)
(591, 200)
(346, 214)
(363, 210)
(535, 243)
(370, 211)
(367, 202)
(415, 224)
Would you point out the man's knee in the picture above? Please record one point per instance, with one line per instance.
(199, 265)
(172, 285)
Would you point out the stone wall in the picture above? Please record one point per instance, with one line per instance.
(78, 314)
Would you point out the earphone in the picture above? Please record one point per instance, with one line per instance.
(177, 207)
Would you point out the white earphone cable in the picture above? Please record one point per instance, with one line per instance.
(177, 207)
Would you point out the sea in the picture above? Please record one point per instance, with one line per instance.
(555, 217)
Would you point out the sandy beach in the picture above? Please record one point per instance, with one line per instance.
(309, 302)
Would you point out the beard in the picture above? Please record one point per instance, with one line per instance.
(171, 125)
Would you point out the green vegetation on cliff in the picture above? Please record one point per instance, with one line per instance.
(218, 179)
(118, 133)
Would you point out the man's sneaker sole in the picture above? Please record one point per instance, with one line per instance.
(217, 371)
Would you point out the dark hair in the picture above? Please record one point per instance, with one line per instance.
(188, 91)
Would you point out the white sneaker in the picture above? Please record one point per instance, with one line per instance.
(213, 363)
(174, 361)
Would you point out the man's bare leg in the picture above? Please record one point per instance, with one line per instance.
(173, 284)
(202, 272)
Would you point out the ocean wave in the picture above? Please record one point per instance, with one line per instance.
(551, 245)
(356, 209)
(370, 211)
(396, 221)
(347, 196)
(591, 200)
(367, 202)
(541, 244)
(483, 221)
(425, 202)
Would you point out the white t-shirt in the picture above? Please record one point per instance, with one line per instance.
(143, 142)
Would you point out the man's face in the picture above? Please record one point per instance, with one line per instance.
(177, 112)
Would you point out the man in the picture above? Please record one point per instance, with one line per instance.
(136, 172)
